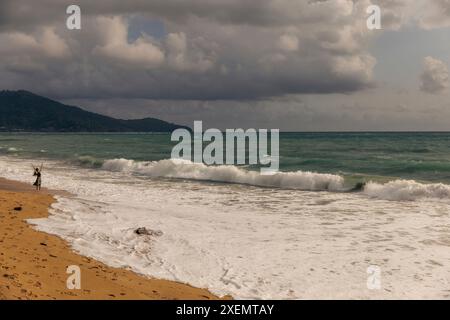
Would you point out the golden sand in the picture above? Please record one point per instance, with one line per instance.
(33, 264)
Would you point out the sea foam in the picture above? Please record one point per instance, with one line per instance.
(407, 190)
(250, 244)
(397, 190)
(184, 169)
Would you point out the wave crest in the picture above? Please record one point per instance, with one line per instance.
(183, 169)
(398, 190)
(88, 161)
(406, 190)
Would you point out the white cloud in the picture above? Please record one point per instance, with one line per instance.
(435, 77)
(183, 58)
(435, 14)
(141, 52)
(288, 42)
(44, 42)
(52, 44)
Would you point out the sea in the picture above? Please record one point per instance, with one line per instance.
(302, 233)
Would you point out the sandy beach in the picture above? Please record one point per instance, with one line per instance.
(33, 264)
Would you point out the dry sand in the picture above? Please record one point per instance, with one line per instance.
(33, 264)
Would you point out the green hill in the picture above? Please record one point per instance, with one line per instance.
(25, 111)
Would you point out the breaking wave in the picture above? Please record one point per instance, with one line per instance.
(397, 190)
(406, 190)
(183, 169)
(88, 161)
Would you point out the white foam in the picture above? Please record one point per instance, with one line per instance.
(407, 190)
(246, 241)
(177, 168)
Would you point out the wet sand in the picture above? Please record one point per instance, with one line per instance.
(33, 264)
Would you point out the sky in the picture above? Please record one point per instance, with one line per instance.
(293, 65)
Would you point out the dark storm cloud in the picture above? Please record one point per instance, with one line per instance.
(248, 12)
(212, 50)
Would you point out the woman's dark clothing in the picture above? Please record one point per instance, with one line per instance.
(37, 183)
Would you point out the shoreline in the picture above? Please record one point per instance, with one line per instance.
(33, 264)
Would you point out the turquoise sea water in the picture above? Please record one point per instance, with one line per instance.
(358, 156)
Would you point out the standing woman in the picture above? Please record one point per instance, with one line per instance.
(37, 173)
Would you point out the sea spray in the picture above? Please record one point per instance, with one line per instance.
(407, 190)
(185, 169)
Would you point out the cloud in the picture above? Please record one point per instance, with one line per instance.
(396, 13)
(223, 49)
(29, 55)
(435, 77)
(393, 110)
(43, 43)
(435, 14)
(142, 52)
(288, 42)
(267, 63)
(181, 58)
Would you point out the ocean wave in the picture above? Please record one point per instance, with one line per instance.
(183, 169)
(88, 161)
(396, 190)
(406, 190)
